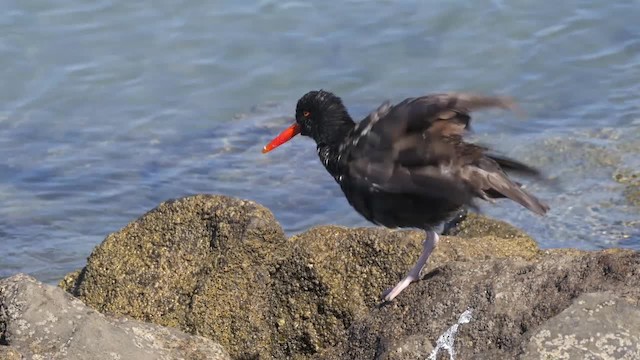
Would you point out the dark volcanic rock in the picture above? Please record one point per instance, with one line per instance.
(39, 321)
(221, 267)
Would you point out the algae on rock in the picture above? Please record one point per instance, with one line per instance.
(222, 268)
(192, 264)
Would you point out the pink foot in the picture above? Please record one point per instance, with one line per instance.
(414, 274)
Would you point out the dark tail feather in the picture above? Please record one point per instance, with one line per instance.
(514, 166)
(525, 199)
(514, 192)
(494, 184)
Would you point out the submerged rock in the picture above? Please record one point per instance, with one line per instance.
(40, 321)
(631, 181)
(222, 268)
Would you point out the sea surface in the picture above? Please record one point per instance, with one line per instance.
(108, 108)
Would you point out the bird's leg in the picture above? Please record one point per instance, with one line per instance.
(414, 274)
(455, 221)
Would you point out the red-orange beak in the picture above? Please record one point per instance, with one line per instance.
(284, 136)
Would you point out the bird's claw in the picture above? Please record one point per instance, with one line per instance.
(390, 294)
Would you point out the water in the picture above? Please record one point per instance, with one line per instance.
(109, 108)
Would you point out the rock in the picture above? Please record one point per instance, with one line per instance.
(631, 180)
(340, 273)
(42, 321)
(510, 299)
(194, 262)
(594, 326)
(9, 353)
(410, 348)
(474, 226)
(222, 268)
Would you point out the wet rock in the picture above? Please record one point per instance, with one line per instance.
(510, 299)
(595, 326)
(39, 321)
(222, 268)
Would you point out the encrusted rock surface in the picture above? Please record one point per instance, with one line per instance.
(222, 268)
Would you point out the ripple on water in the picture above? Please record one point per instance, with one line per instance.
(109, 108)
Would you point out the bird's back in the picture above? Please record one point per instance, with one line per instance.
(408, 165)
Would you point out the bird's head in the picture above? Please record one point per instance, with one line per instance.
(320, 115)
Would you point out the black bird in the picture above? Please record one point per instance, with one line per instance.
(407, 165)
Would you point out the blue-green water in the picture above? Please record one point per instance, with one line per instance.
(108, 108)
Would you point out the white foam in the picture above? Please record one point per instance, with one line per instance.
(446, 340)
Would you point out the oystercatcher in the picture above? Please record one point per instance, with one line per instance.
(407, 165)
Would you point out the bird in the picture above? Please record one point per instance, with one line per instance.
(409, 165)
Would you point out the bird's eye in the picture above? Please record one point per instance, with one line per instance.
(306, 114)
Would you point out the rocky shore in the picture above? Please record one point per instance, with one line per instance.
(214, 277)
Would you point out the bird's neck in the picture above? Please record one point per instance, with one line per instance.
(336, 129)
(329, 150)
(330, 157)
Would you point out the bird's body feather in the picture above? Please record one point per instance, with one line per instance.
(407, 165)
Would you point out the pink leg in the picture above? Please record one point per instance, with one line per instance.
(414, 274)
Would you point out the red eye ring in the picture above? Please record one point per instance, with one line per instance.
(306, 114)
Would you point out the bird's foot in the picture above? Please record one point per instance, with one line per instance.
(414, 274)
(390, 294)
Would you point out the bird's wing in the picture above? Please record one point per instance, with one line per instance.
(417, 147)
